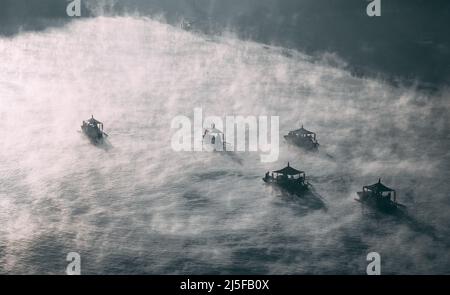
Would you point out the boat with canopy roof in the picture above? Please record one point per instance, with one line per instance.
(93, 129)
(303, 138)
(288, 178)
(379, 196)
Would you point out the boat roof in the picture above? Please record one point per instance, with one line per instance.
(289, 171)
(94, 121)
(379, 187)
(213, 129)
(303, 131)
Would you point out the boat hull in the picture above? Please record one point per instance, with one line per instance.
(380, 204)
(305, 144)
(94, 134)
(290, 186)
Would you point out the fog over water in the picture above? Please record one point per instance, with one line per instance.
(138, 207)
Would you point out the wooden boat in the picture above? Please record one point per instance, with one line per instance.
(289, 178)
(379, 196)
(93, 129)
(214, 139)
(303, 138)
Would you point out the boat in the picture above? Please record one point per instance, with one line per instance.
(288, 178)
(214, 139)
(186, 25)
(303, 138)
(93, 129)
(379, 196)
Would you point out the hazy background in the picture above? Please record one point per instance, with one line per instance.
(140, 208)
(410, 42)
